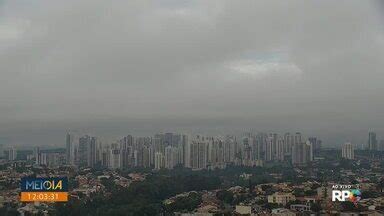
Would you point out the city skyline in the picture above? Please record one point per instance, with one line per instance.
(197, 151)
(169, 150)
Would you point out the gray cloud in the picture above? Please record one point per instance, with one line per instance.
(315, 65)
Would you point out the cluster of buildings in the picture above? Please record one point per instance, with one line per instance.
(280, 198)
(87, 184)
(373, 143)
(348, 149)
(168, 150)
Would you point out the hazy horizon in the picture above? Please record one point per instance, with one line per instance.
(107, 131)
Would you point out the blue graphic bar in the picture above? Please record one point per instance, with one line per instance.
(44, 184)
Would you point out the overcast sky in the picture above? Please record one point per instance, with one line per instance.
(114, 67)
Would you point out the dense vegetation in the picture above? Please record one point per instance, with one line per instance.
(146, 197)
(142, 198)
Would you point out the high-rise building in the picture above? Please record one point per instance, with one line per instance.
(114, 158)
(316, 143)
(274, 145)
(126, 150)
(310, 147)
(256, 148)
(247, 151)
(199, 152)
(288, 143)
(295, 143)
(229, 149)
(159, 160)
(84, 144)
(182, 143)
(280, 149)
(308, 154)
(151, 151)
(1, 150)
(37, 155)
(142, 144)
(136, 160)
(251, 154)
(146, 152)
(105, 156)
(69, 149)
(187, 152)
(11, 154)
(216, 152)
(348, 151)
(168, 139)
(297, 138)
(372, 141)
(297, 152)
(270, 148)
(381, 145)
(171, 157)
(301, 153)
(87, 152)
(51, 157)
(127, 141)
(92, 152)
(157, 143)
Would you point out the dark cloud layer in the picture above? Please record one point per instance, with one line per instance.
(269, 65)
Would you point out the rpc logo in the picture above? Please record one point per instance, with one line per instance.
(353, 195)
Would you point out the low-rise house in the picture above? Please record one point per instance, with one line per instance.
(243, 210)
(281, 198)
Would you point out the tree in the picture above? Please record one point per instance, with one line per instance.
(186, 204)
(316, 207)
(225, 196)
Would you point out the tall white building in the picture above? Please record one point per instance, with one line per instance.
(69, 149)
(216, 153)
(83, 149)
(199, 149)
(229, 149)
(159, 160)
(372, 141)
(92, 152)
(269, 154)
(37, 155)
(348, 151)
(250, 150)
(297, 138)
(115, 159)
(310, 145)
(171, 157)
(280, 149)
(11, 154)
(288, 143)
